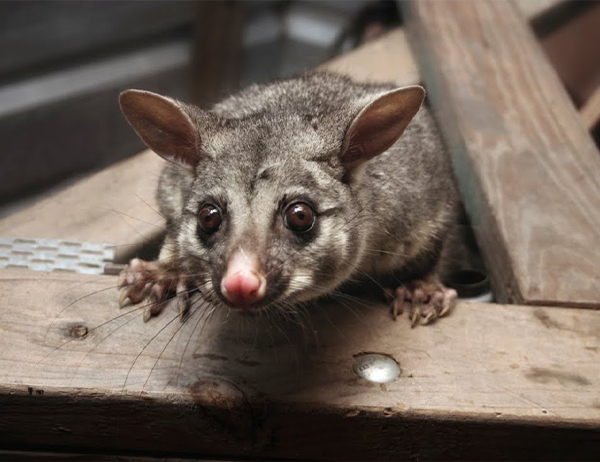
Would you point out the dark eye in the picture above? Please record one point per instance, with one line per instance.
(209, 218)
(299, 217)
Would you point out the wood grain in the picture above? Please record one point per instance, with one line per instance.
(488, 381)
(115, 206)
(532, 9)
(387, 59)
(590, 112)
(528, 170)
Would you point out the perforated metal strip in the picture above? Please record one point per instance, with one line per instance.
(55, 255)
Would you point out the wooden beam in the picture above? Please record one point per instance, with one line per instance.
(590, 112)
(387, 59)
(217, 49)
(489, 381)
(573, 52)
(532, 9)
(114, 206)
(528, 170)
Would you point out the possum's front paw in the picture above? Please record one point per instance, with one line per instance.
(154, 283)
(427, 299)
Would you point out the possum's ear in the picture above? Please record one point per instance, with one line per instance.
(163, 124)
(379, 124)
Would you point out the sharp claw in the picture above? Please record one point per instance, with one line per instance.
(395, 310)
(430, 317)
(147, 314)
(153, 284)
(183, 307)
(122, 280)
(427, 300)
(448, 302)
(414, 317)
(446, 307)
(123, 298)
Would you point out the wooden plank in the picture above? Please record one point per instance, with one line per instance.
(114, 206)
(387, 59)
(532, 9)
(217, 50)
(487, 381)
(572, 50)
(590, 112)
(527, 168)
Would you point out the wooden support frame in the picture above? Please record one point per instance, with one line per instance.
(489, 381)
(527, 168)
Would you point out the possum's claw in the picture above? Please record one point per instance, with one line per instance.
(153, 283)
(427, 299)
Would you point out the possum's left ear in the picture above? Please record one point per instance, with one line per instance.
(379, 124)
(164, 125)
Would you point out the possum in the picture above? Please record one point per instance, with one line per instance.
(287, 191)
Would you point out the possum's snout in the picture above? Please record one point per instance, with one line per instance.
(243, 284)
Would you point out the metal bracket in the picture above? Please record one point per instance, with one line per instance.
(55, 255)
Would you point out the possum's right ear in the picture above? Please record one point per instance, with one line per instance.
(379, 124)
(164, 125)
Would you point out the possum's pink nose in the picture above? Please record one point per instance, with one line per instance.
(243, 283)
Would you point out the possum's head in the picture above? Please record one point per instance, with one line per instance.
(275, 214)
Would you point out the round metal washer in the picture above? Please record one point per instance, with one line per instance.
(376, 367)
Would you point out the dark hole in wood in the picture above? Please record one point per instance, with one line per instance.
(469, 283)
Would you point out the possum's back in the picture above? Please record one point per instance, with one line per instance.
(314, 93)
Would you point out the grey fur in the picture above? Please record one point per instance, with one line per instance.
(388, 220)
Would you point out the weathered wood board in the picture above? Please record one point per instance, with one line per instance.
(590, 112)
(532, 9)
(387, 59)
(115, 206)
(527, 168)
(573, 51)
(487, 381)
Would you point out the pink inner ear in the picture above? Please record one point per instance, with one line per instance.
(379, 125)
(162, 125)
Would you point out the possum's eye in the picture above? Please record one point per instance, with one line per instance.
(209, 218)
(299, 217)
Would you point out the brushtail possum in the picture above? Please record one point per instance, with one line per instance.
(287, 191)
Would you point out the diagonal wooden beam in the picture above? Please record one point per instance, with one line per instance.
(528, 170)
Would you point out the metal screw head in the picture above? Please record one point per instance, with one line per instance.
(376, 367)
